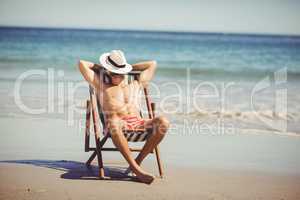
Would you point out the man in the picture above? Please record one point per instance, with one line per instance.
(119, 101)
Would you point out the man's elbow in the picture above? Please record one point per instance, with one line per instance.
(81, 62)
(153, 63)
(81, 65)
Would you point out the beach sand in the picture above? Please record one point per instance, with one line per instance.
(72, 180)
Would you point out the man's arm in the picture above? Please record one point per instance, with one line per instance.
(86, 69)
(147, 69)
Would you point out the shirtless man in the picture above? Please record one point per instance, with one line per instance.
(119, 101)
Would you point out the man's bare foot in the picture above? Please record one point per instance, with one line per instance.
(144, 177)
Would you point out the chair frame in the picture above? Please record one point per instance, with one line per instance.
(93, 108)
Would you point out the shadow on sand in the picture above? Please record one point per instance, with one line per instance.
(78, 170)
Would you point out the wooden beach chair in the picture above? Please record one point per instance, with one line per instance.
(93, 108)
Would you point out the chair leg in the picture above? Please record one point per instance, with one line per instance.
(98, 153)
(92, 157)
(99, 145)
(159, 162)
(100, 164)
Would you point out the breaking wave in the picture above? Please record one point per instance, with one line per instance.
(269, 114)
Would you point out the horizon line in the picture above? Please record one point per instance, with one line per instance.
(154, 31)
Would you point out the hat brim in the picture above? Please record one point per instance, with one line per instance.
(104, 62)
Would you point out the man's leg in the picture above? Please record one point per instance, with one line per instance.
(119, 140)
(160, 126)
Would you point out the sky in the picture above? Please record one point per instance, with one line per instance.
(227, 16)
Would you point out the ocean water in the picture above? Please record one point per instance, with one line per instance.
(207, 84)
(200, 75)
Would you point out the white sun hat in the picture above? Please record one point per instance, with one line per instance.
(115, 62)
